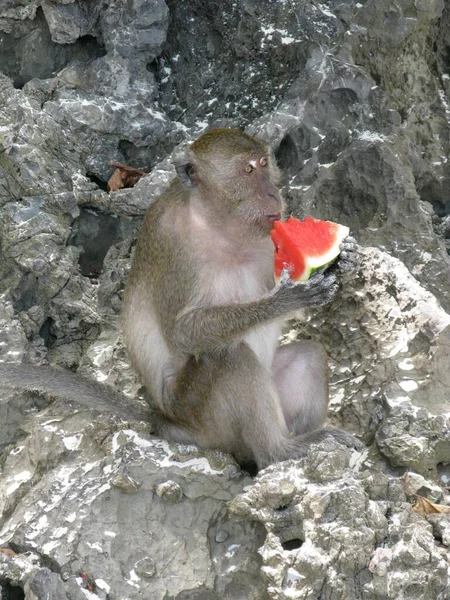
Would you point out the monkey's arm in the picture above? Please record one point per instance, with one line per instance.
(71, 387)
(208, 328)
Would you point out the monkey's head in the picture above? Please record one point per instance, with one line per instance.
(234, 174)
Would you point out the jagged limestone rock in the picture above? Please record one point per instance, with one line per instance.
(64, 496)
(334, 535)
(354, 99)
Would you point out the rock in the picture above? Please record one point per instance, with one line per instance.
(132, 30)
(62, 496)
(68, 21)
(354, 100)
(333, 537)
(413, 484)
(171, 492)
(441, 528)
(379, 336)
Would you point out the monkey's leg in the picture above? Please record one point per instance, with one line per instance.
(227, 401)
(300, 373)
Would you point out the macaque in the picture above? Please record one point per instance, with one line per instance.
(202, 316)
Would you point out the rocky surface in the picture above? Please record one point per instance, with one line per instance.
(112, 511)
(337, 530)
(354, 98)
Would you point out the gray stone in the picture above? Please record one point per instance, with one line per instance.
(170, 491)
(62, 499)
(354, 99)
(68, 21)
(334, 540)
(413, 484)
(146, 567)
(28, 48)
(132, 29)
(380, 336)
(441, 528)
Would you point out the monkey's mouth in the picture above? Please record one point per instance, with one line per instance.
(273, 217)
(265, 221)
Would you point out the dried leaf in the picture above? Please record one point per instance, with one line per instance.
(123, 176)
(87, 582)
(423, 507)
(115, 181)
(8, 551)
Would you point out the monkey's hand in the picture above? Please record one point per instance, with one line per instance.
(317, 291)
(348, 259)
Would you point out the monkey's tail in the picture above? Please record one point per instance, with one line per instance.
(71, 387)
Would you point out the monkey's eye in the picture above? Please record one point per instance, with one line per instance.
(263, 161)
(248, 169)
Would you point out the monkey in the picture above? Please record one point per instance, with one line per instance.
(202, 316)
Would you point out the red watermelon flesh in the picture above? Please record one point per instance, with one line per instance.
(302, 247)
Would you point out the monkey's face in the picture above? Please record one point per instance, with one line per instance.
(236, 176)
(254, 192)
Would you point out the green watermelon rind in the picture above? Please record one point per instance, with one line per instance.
(320, 263)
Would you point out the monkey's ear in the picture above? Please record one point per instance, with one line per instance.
(186, 169)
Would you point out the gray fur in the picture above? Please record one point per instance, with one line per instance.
(71, 387)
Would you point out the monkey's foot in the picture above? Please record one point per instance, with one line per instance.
(300, 444)
(343, 437)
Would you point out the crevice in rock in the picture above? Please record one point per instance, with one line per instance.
(91, 46)
(25, 294)
(296, 148)
(440, 41)
(250, 467)
(11, 592)
(292, 536)
(99, 182)
(389, 514)
(286, 153)
(293, 544)
(197, 594)
(142, 157)
(437, 536)
(441, 227)
(443, 470)
(94, 232)
(152, 67)
(45, 560)
(146, 157)
(46, 332)
(431, 190)
(29, 52)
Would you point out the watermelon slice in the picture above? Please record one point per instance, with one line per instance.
(302, 247)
